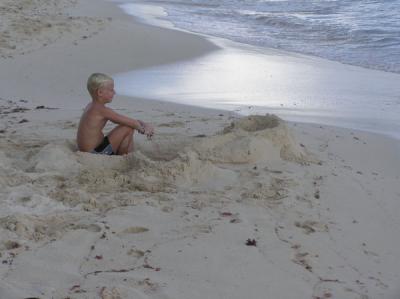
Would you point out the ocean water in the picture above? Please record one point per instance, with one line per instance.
(358, 32)
(362, 91)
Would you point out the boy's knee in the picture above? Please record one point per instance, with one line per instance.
(129, 130)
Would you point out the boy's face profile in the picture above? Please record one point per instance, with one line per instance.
(106, 92)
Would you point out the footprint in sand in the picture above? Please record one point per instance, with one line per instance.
(334, 288)
(89, 227)
(69, 125)
(301, 259)
(110, 294)
(310, 226)
(135, 253)
(9, 245)
(135, 230)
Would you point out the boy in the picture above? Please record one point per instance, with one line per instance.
(90, 137)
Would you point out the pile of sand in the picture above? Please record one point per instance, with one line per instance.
(54, 176)
(252, 139)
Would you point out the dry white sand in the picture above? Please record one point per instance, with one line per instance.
(214, 207)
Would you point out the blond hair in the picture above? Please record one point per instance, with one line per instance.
(96, 81)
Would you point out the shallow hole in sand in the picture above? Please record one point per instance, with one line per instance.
(89, 227)
(161, 157)
(164, 148)
(135, 230)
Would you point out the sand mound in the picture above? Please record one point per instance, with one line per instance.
(252, 139)
(98, 162)
(130, 173)
(254, 123)
(58, 178)
(183, 164)
(195, 172)
(140, 173)
(57, 158)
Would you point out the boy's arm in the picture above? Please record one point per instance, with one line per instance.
(111, 115)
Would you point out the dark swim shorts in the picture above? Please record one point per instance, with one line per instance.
(104, 148)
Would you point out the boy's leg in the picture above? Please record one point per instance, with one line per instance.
(121, 139)
(126, 145)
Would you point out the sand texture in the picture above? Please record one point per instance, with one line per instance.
(214, 206)
(30, 25)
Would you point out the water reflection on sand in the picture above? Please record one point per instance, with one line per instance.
(295, 87)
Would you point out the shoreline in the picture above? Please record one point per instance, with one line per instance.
(156, 14)
(320, 91)
(215, 206)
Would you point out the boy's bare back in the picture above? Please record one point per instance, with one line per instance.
(90, 130)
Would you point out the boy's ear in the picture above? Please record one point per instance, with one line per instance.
(99, 92)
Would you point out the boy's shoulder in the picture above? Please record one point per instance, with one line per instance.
(95, 107)
(100, 110)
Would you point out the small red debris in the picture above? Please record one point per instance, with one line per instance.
(75, 287)
(251, 242)
(226, 214)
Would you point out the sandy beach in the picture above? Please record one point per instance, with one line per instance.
(215, 206)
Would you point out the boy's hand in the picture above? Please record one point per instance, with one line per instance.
(141, 130)
(146, 129)
(149, 131)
